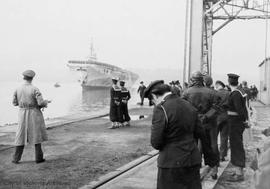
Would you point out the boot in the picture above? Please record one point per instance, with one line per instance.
(238, 175)
(39, 154)
(213, 172)
(18, 154)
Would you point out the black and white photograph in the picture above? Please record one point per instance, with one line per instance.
(135, 94)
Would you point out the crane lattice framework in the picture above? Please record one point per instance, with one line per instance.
(204, 18)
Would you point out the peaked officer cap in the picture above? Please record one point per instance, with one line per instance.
(152, 86)
(29, 73)
(115, 79)
(233, 78)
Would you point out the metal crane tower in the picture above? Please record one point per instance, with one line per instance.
(204, 18)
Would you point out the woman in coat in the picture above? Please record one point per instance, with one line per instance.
(31, 125)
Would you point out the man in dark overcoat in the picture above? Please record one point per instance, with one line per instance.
(174, 126)
(141, 91)
(204, 100)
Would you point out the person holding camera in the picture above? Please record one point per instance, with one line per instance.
(31, 124)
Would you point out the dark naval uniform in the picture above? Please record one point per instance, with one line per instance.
(125, 96)
(238, 118)
(174, 124)
(238, 115)
(115, 111)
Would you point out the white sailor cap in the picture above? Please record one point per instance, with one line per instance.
(115, 79)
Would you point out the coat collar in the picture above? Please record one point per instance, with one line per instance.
(168, 96)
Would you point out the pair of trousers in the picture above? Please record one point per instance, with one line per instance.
(208, 146)
(142, 99)
(211, 137)
(179, 177)
(19, 151)
(236, 141)
(223, 129)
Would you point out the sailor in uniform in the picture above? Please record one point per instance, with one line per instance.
(125, 96)
(238, 120)
(115, 109)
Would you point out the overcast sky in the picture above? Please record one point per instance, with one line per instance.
(44, 34)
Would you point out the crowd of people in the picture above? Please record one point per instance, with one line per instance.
(186, 124)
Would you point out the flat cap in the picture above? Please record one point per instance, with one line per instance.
(153, 85)
(197, 75)
(29, 73)
(141, 82)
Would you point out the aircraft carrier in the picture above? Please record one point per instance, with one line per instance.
(92, 73)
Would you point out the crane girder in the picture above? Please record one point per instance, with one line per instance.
(210, 17)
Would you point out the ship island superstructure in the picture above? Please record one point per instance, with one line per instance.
(96, 74)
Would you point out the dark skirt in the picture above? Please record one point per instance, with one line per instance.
(179, 178)
(115, 113)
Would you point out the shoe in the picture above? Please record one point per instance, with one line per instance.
(222, 159)
(41, 161)
(113, 126)
(118, 125)
(213, 172)
(235, 178)
(15, 162)
(126, 124)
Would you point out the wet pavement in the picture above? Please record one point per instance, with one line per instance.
(144, 176)
(261, 122)
(77, 153)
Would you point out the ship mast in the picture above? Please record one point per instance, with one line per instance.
(93, 55)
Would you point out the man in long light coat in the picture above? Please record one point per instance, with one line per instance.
(31, 125)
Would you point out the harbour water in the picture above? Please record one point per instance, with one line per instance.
(67, 100)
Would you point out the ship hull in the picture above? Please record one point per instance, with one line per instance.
(99, 75)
